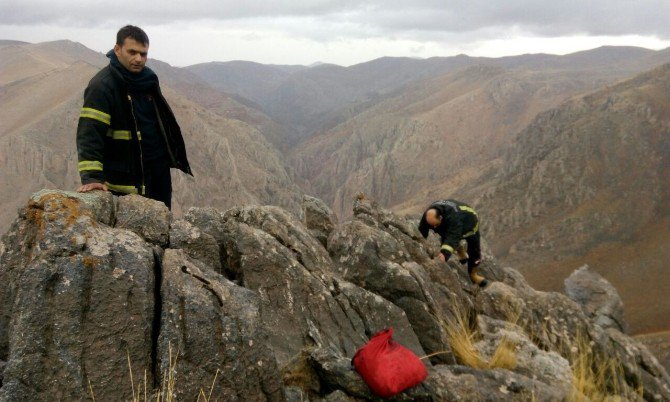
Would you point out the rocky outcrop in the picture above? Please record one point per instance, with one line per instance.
(268, 251)
(77, 299)
(211, 328)
(248, 304)
(318, 218)
(599, 299)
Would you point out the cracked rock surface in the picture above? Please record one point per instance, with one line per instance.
(255, 304)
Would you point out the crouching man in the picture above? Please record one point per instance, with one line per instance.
(455, 221)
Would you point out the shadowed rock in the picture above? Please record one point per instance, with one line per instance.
(76, 301)
(597, 296)
(249, 304)
(319, 218)
(212, 328)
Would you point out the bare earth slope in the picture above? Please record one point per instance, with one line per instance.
(587, 182)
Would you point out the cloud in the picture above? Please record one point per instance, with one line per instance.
(398, 17)
(343, 31)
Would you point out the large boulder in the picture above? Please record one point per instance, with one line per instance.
(211, 335)
(303, 303)
(318, 218)
(196, 243)
(148, 218)
(599, 299)
(100, 204)
(77, 302)
(209, 220)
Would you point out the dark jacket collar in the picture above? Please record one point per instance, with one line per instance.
(144, 81)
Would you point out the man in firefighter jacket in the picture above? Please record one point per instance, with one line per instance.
(128, 137)
(454, 221)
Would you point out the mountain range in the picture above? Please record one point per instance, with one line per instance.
(566, 158)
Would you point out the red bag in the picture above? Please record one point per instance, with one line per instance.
(388, 367)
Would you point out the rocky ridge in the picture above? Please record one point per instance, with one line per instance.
(254, 303)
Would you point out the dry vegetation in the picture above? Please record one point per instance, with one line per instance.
(595, 377)
(463, 335)
(144, 392)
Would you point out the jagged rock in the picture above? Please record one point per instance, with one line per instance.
(318, 218)
(385, 254)
(209, 220)
(77, 299)
(197, 244)
(553, 319)
(268, 251)
(99, 203)
(374, 313)
(557, 323)
(640, 366)
(212, 328)
(80, 298)
(529, 360)
(460, 383)
(148, 218)
(597, 296)
(659, 344)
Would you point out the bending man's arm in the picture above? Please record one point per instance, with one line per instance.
(450, 239)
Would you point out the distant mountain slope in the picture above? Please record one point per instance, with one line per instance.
(41, 93)
(456, 135)
(588, 182)
(433, 134)
(250, 80)
(315, 99)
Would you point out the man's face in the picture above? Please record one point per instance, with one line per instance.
(432, 218)
(132, 55)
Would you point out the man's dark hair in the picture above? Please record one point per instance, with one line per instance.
(133, 32)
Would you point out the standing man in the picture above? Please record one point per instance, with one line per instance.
(128, 137)
(454, 221)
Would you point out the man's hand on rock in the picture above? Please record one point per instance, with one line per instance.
(442, 257)
(85, 188)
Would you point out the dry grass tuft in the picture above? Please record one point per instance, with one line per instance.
(463, 335)
(462, 338)
(596, 377)
(167, 390)
(504, 355)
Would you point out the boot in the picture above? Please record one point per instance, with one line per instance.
(476, 278)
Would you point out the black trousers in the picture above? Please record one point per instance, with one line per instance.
(158, 181)
(474, 250)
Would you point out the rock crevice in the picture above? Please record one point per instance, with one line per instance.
(258, 304)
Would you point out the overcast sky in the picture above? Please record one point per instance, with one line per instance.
(342, 31)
